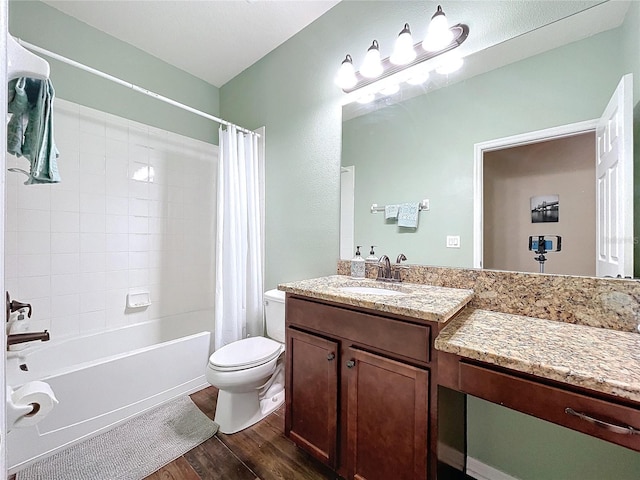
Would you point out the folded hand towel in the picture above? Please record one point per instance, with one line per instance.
(408, 215)
(31, 104)
(390, 211)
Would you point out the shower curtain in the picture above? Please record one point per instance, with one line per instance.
(239, 265)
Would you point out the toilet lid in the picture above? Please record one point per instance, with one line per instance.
(245, 353)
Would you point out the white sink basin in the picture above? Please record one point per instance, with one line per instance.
(371, 291)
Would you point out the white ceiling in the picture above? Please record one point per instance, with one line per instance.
(166, 29)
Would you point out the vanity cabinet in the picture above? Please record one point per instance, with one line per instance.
(358, 389)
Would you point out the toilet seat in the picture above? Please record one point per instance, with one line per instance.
(246, 353)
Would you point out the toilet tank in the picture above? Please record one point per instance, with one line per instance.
(274, 314)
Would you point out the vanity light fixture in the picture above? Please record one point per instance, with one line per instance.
(407, 62)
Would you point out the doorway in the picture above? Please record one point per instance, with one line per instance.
(543, 188)
(543, 166)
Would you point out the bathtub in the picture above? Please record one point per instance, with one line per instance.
(101, 380)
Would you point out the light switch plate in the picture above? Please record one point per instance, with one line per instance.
(453, 241)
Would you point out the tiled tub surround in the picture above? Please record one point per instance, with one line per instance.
(596, 302)
(603, 360)
(425, 302)
(135, 211)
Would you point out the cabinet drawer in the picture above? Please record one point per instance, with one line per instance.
(395, 336)
(610, 421)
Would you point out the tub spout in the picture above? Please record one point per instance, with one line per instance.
(27, 337)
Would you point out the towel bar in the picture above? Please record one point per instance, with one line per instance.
(375, 208)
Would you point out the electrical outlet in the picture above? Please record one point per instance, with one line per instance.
(453, 241)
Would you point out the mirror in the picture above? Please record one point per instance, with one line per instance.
(420, 144)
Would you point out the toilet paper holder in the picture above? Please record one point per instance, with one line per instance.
(29, 404)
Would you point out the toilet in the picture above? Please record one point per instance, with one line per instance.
(249, 373)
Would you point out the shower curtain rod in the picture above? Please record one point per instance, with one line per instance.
(134, 87)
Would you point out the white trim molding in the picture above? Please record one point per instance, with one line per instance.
(451, 456)
(479, 149)
(482, 471)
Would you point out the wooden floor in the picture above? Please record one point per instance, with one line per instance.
(259, 452)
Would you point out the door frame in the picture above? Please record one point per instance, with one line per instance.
(347, 211)
(479, 149)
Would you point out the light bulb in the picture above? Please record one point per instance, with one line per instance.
(438, 33)
(371, 65)
(403, 51)
(390, 89)
(368, 98)
(416, 75)
(346, 76)
(418, 78)
(450, 65)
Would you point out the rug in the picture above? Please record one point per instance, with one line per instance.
(132, 450)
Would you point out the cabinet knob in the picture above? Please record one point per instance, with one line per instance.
(351, 363)
(331, 356)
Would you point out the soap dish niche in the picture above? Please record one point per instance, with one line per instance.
(138, 300)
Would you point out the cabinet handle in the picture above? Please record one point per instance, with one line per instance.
(601, 423)
(351, 363)
(331, 356)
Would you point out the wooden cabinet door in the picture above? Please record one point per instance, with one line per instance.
(312, 394)
(387, 418)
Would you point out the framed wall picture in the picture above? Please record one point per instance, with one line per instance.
(545, 208)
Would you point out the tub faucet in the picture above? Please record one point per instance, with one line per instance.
(27, 337)
(13, 305)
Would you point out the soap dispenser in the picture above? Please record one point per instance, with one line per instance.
(372, 256)
(358, 265)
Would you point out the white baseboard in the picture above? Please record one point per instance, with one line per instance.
(451, 456)
(482, 471)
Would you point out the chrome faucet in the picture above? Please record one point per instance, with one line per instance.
(388, 274)
(384, 269)
(396, 273)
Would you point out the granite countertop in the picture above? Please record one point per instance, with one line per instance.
(425, 302)
(599, 359)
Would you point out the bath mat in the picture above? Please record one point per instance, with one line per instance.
(132, 450)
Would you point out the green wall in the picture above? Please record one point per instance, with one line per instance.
(424, 147)
(530, 449)
(44, 26)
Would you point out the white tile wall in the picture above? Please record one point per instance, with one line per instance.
(135, 211)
